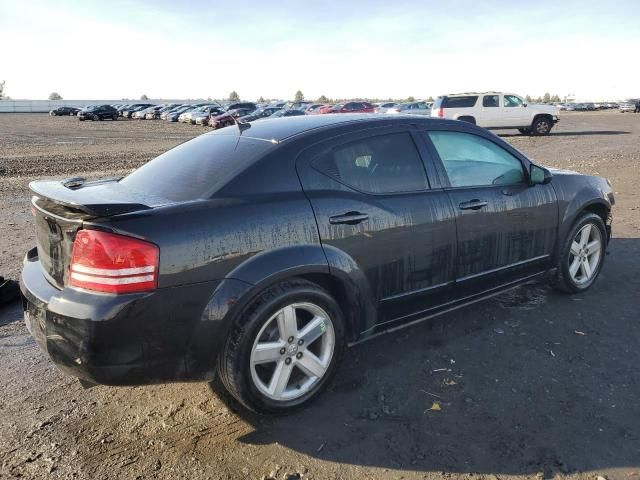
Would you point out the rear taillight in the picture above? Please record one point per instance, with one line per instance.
(441, 112)
(106, 262)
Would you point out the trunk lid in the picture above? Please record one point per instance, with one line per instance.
(61, 208)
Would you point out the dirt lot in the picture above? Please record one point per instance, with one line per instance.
(531, 383)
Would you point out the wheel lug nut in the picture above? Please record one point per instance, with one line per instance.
(290, 339)
(282, 350)
(287, 360)
(299, 355)
(300, 342)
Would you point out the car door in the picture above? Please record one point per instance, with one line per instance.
(506, 228)
(514, 112)
(374, 206)
(490, 113)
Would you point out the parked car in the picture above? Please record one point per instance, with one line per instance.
(349, 107)
(98, 112)
(172, 115)
(383, 107)
(201, 116)
(286, 112)
(128, 112)
(627, 107)
(142, 114)
(246, 105)
(64, 111)
(155, 114)
(313, 107)
(258, 114)
(188, 116)
(228, 118)
(497, 110)
(285, 245)
(415, 108)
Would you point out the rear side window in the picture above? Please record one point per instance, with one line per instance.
(471, 160)
(197, 168)
(460, 102)
(491, 101)
(380, 164)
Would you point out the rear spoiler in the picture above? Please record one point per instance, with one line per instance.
(100, 198)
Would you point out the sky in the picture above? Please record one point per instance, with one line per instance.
(115, 49)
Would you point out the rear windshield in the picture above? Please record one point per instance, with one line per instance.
(460, 102)
(198, 168)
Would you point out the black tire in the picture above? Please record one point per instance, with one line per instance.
(234, 370)
(525, 131)
(564, 282)
(541, 126)
(81, 119)
(114, 117)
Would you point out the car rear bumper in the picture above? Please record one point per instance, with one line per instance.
(130, 339)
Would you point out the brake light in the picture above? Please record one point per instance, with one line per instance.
(441, 112)
(111, 263)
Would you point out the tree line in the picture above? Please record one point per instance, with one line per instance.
(299, 96)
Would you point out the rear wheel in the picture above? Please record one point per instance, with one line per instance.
(541, 126)
(284, 349)
(582, 254)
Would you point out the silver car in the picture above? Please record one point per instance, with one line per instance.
(627, 107)
(415, 108)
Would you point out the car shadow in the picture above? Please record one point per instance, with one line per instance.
(11, 311)
(529, 381)
(571, 134)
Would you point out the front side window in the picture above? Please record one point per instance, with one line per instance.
(512, 101)
(470, 160)
(380, 164)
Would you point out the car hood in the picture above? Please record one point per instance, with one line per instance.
(553, 110)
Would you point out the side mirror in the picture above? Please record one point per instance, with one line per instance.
(539, 175)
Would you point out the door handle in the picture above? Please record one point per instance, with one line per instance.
(349, 218)
(474, 204)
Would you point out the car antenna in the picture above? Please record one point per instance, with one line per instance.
(242, 126)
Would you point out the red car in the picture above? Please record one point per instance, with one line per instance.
(228, 118)
(349, 107)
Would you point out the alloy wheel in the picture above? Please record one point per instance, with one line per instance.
(292, 351)
(543, 127)
(585, 254)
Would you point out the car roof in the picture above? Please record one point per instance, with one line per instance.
(466, 94)
(280, 129)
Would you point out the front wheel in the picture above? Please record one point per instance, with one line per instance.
(582, 254)
(541, 126)
(525, 131)
(283, 350)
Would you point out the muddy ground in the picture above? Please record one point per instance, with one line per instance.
(530, 384)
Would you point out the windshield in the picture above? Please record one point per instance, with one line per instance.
(198, 168)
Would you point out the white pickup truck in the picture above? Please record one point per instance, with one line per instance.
(497, 110)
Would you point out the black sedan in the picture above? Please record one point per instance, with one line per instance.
(98, 112)
(64, 111)
(257, 252)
